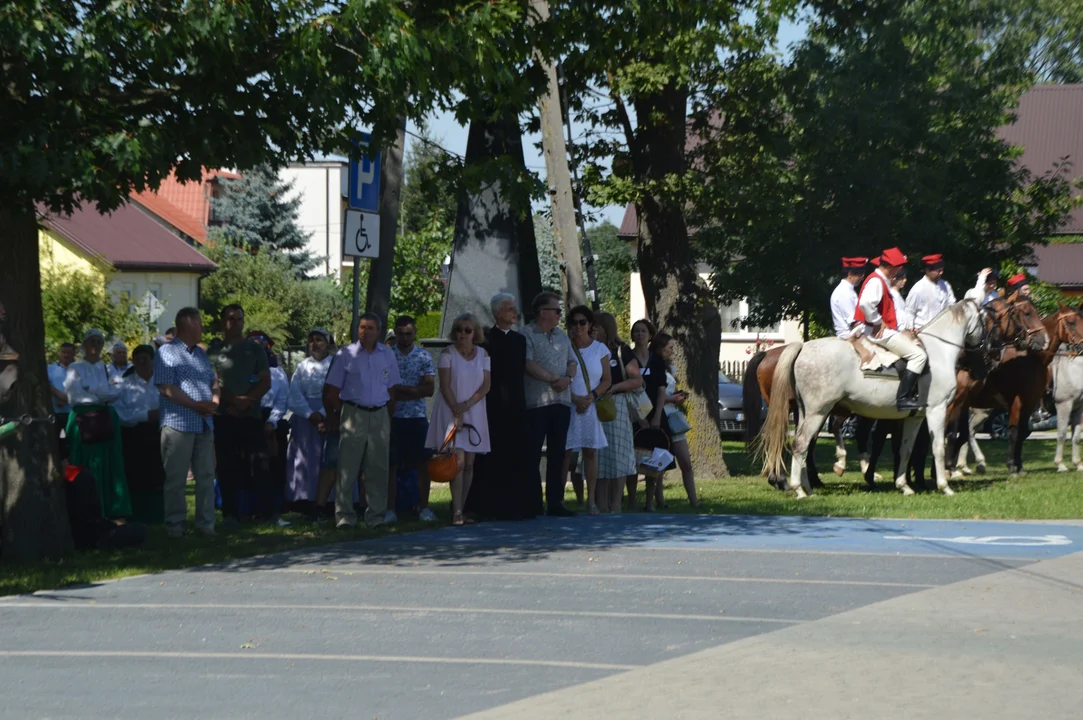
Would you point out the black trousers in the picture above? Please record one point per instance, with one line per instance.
(549, 427)
(242, 465)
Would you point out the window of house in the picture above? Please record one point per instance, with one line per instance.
(124, 293)
(733, 327)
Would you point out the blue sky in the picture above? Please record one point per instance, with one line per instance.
(452, 136)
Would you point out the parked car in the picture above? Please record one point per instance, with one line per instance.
(997, 423)
(731, 409)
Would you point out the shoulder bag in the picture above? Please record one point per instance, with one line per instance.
(606, 406)
(442, 466)
(639, 404)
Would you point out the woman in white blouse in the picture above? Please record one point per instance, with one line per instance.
(138, 412)
(312, 457)
(94, 427)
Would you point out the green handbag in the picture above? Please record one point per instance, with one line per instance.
(605, 405)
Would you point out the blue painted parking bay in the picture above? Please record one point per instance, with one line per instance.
(962, 538)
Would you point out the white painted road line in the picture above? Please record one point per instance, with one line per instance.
(293, 657)
(341, 570)
(403, 609)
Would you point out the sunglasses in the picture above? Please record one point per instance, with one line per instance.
(581, 322)
(553, 309)
(464, 330)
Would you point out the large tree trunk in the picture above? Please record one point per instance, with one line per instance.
(676, 298)
(33, 516)
(382, 270)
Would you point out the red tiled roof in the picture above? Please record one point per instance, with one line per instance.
(185, 206)
(629, 226)
(1049, 126)
(128, 239)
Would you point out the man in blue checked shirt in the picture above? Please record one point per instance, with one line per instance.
(190, 396)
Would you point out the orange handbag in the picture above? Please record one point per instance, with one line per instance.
(443, 466)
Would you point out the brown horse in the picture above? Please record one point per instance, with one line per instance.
(1017, 385)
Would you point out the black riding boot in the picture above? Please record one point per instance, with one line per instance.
(907, 397)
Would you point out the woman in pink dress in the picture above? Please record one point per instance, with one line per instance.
(463, 372)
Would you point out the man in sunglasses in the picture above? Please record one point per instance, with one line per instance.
(550, 367)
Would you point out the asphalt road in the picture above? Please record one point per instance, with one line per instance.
(444, 623)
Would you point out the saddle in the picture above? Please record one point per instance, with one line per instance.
(876, 361)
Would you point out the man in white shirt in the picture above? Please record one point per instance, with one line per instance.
(119, 365)
(931, 295)
(876, 310)
(844, 296)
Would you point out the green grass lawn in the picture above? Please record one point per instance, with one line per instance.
(1041, 494)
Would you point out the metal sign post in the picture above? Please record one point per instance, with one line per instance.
(360, 236)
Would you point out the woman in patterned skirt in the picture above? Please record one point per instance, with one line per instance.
(616, 461)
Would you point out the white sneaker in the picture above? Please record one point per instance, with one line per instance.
(390, 518)
(427, 515)
(283, 523)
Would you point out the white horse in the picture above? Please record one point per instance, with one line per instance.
(1068, 396)
(826, 372)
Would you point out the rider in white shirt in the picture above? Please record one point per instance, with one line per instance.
(985, 289)
(844, 297)
(902, 312)
(932, 294)
(876, 309)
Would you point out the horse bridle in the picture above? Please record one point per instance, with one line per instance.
(995, 340)
(1076, 346)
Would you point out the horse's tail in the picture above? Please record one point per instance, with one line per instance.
(771, 442)
(752, 399)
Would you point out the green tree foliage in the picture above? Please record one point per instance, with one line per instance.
(429, 193)
(275, 300)
(1048, 32)
(260, 211)
(548, 257)
(419, 261)
(73, 301)
(103, 99)
(880, 132)
(613, 268)
(636, 73)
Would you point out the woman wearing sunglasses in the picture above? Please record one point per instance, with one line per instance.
(463, 372)
(585, 433)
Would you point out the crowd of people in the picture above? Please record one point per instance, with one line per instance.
(351, 430)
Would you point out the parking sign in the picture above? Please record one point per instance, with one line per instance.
(364, 180)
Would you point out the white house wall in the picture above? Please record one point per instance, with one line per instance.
(321, 187)
(174, 290)
(736, 346)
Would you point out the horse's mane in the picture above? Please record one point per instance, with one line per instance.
(957, 312)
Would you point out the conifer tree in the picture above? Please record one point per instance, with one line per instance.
(260, 212)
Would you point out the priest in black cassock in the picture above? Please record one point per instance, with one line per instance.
(502, 487)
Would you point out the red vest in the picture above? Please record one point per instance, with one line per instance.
(886, 306)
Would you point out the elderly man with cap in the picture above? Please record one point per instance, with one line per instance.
(932, 294)
(876, 310)
(844, 296)
(119, 365)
